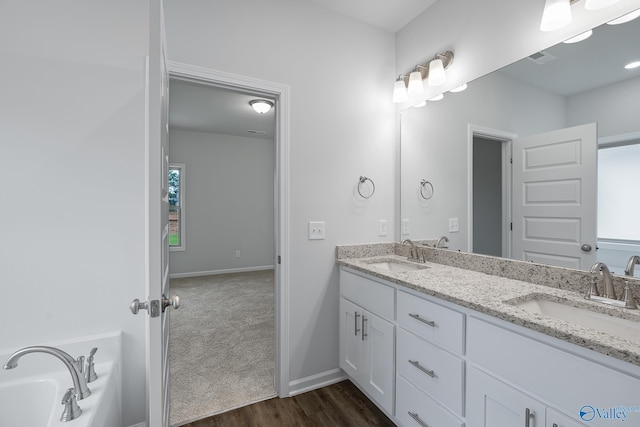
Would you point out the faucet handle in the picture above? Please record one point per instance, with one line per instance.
(80, 363)
(71, 408)
(90, 374)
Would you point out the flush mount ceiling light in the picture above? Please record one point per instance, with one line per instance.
(261, 106)
(579, 37)
(632, 65)
(433, 71)
(625, 18)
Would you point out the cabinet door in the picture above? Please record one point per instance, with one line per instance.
(351, 338)
(492, 403)
(379, 363)
(557, 419)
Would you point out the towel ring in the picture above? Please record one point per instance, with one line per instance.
(361, 181)
(424, 184)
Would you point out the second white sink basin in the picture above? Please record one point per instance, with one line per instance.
(397, 267)
(605, 323)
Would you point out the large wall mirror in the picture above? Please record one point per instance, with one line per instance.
(537, 161)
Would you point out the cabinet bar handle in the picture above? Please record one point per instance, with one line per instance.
(356, 326)
(417, 364)
(527, 417)
(364, 334)
(428, 322)
(417, 419)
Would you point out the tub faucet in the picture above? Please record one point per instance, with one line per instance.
(635, 259)
(607, 280)
(440, 240)
(79, 383)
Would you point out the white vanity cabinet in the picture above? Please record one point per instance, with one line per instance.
(429, 363)
(511, 372)
(367, 336)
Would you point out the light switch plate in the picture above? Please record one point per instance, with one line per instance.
(405, 226)
(316, 230)
(454, 225)
(382, 227)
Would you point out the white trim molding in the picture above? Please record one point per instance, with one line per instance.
(222, 271)
(282, 233)
(316, 381)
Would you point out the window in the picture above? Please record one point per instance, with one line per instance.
(176, 207)
(618, 202)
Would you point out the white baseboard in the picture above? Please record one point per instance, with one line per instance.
(316, 381)
(217, 272)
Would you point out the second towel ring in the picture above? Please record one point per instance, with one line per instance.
(361, 181)
(426, 186)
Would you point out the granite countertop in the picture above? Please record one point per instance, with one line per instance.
(495, 296)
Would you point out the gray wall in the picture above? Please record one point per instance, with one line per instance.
(229, 202)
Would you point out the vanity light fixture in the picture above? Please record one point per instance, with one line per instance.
(625, 18)
(579, 37)
(261, 106)
(556, 14)
(459, 88)
(632, 65)
(433, 72)
(400, 90)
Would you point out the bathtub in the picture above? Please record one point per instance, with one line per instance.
(31, 394)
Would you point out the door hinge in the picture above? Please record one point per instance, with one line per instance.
(279, 260)
(511, 160)
(511, 226)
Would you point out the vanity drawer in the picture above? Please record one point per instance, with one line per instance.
(431, 369)
(368, 294)
(410, 399)
(438, 324)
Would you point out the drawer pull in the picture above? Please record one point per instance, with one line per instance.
(356, 318)
(527, 417)
(417, 419)
(428, 322)
(417, 364)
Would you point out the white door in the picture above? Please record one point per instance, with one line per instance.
(157, 255)
(554, 197)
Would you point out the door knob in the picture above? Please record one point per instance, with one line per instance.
(174, 302)
(586, 247)
(136, 305)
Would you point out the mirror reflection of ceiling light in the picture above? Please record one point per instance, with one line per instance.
(437, 97)
(261, 106)
(632, 65)
(459, 88)
(579, 37)
(625, 18)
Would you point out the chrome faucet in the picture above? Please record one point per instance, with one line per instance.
(440, 240)
(79, 383)
(635, 259)
(607, 280)
(413, 251)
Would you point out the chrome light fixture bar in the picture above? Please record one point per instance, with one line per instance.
(433, 71)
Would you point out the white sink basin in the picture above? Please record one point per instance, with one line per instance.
(615, 326)
(396, 267)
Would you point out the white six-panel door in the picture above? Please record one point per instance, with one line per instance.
(554, 197)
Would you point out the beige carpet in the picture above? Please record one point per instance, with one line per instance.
(221, 349)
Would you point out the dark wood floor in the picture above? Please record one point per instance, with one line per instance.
(339, 405)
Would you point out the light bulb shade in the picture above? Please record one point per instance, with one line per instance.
(598, 4)
(399, 91)
(437, 76)
(415, 84)
(261, 106)
(556, 14)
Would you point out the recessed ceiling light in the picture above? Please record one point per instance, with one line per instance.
(437, 97)
(459, 88)
(579, 37)
(261, 105)
(625, 18)
(631, 65)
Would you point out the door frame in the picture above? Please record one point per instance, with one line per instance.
(282, 206)
(506, 138)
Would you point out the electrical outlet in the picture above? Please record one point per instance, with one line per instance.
(454, 225)
(238, 253)
(382, 227)
(405, 226)
(316, 230)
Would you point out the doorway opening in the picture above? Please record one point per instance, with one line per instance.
(234, 245)
(489, 192)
